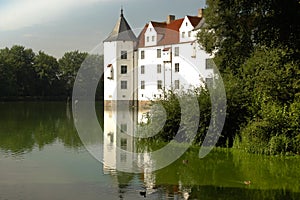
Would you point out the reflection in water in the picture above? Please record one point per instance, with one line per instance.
(24, 126)
(119, 128)
(46, 129)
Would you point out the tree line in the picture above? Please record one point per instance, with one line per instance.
(257, 50)
(28, 75)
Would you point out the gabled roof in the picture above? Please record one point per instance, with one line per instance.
(166, 33)
(121, 31)
(194, 20)
(141, 37)
(201, 24)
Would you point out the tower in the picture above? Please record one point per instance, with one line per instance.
(119, 63)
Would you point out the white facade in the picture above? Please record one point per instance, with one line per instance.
(119, 72)
(166, 56)
(118, 144)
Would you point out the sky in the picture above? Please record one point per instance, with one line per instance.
(59, 26)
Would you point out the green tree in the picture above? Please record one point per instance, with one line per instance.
(235, 27)
(18, 73)
(46, 68)
(69, 65)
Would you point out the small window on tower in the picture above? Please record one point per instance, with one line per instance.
(123, 128)
(123, 69)
(124, 55)
(123, 144)
(123, 85)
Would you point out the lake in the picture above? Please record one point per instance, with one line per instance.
(42, 157)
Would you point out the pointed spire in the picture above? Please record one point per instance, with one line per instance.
(121, 11)
(121, 31)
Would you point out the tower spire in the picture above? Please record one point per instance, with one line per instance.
(122, 10)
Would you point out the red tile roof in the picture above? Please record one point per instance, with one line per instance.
(141, 37)
(167, 33)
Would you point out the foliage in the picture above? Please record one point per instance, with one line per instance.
(256, 46)
(235, 27)
(24, 74)
(69, 64)
(172, 119)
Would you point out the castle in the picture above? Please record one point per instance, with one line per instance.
(165, 56)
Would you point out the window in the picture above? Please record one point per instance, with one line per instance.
(123, 143)
(153, 38)
(147, 38)
(176, 51)
(123, 54)
(208, 63)
(159, 84)
(158, 53)
(123, 128)
(176, 67)
(142, 54)
(123, 85)
(176, 84)
(142, 85)
(123, 69)
(183, 34)
(150, 29)
(143, 69)
(159, 68)
(190, 33)
(111, 137)
(186, 24)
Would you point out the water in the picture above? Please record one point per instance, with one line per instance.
(42, 157)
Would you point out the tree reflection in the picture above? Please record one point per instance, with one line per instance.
(25, 126)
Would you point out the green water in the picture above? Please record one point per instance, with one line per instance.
(42, 157)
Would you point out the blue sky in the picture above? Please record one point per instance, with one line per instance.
(58, 26)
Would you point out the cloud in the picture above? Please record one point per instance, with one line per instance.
(23, 13)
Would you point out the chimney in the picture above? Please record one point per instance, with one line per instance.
(170, 18)
(200, 12)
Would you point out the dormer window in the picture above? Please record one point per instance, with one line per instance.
(186, 24)
(153, 38)
(189, 33)
(147, 38)
(150, 29)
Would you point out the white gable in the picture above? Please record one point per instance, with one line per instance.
(150, 36)
(186, 31)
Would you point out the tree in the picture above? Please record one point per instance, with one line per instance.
(46, 68)
(235, 27)
(69, 64)
(256, 45)
(18, 78)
